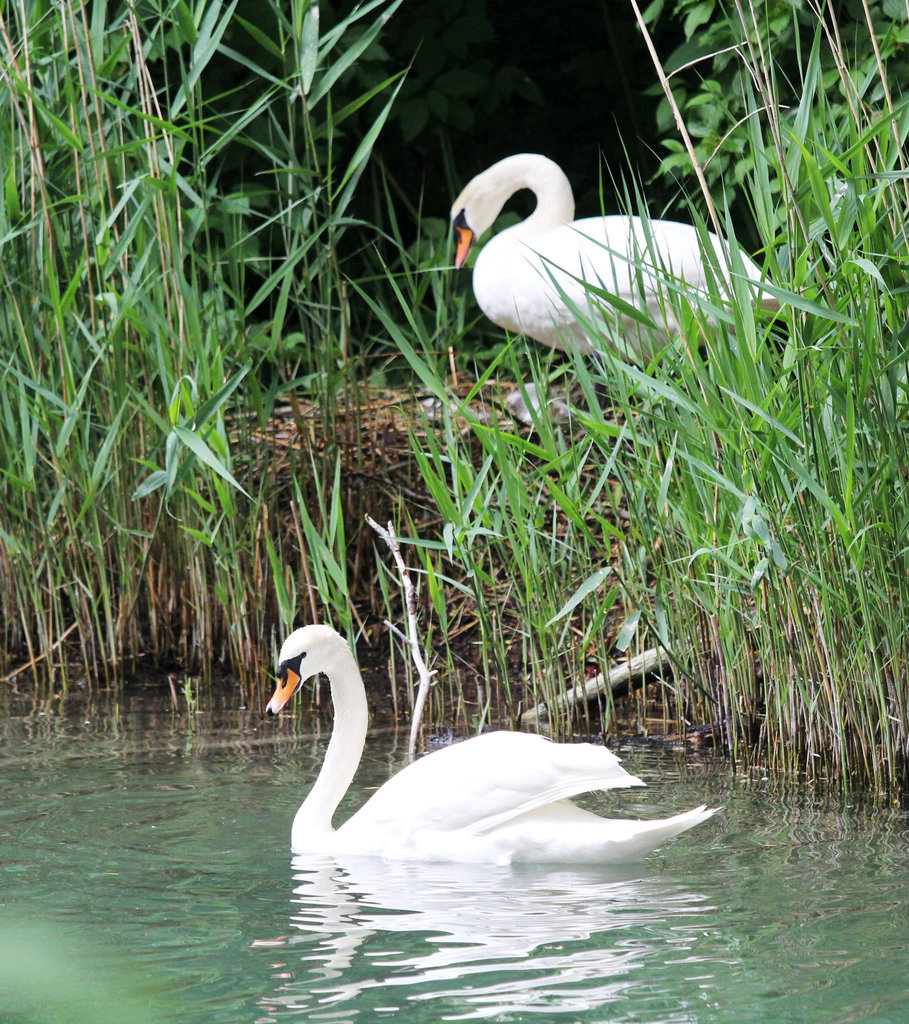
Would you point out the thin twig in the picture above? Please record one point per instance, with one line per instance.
(32, 663)
(410, 639)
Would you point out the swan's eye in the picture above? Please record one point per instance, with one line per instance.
(289, 671)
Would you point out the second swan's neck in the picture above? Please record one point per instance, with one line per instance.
(344, 748)
(547, 181)
(483, 197)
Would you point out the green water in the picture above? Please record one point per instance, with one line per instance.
(145, 876)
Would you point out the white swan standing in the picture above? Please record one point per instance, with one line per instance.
(496, 798)
(525, 278)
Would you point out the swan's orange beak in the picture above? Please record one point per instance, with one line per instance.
(465, 238)
(288, 681)
(465, 241)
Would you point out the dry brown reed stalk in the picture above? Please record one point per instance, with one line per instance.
(679, 120)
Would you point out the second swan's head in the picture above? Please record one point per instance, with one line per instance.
(482, 198)
(306, 652)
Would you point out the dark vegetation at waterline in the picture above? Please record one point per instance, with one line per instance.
(229, 332)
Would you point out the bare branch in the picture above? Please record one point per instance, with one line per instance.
(411, 640)
(623, 673)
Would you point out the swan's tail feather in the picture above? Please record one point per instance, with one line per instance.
(644, 836)
(564, 832)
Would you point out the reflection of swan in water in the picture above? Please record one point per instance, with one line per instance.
(389, 933)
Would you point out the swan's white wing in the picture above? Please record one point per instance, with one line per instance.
(533, 283)
(477, 785)
(612, 247)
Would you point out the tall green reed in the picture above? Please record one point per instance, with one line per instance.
(762, 459)
(171, 254)
(741, 501)
(515, 522)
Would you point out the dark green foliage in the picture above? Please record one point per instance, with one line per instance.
(725, 42)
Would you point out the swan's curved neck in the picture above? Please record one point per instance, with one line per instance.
(344, 748)
(547, 181)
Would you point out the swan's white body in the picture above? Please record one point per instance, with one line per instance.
(530, 277)
(496, 798)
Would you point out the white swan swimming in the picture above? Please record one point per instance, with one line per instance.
(525, 278)
(497, 798)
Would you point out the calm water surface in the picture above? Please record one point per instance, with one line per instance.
(145, 876)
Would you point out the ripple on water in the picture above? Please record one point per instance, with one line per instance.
(157, 854)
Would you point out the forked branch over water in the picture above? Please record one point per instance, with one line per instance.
(411, 637)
